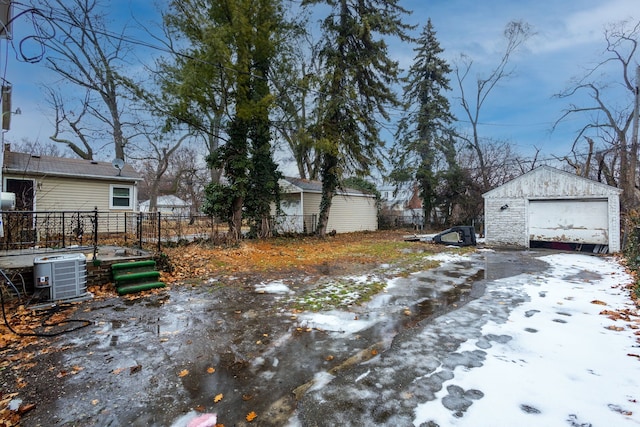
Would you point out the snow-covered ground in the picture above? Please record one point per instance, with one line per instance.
(534, 350)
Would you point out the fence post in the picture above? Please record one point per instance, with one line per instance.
(64, 245)
(159, 233)
(140, 229)
(125, 227)
(95, 231)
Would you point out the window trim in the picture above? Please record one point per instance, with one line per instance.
(111, 196)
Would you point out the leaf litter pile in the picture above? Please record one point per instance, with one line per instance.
(279, 257)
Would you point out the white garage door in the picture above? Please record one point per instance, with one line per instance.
(569, 221)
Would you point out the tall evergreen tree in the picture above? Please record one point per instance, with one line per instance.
(239, 39)
(424, 135)
(356, 90)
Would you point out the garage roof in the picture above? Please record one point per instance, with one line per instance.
(548, 182)
(297, 185)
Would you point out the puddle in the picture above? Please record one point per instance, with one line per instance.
(191, 344)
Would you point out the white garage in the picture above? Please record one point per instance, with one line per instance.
(548, 207)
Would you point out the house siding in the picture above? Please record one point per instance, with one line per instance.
(351, 213)
(56, 194)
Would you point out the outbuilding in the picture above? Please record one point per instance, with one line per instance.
(351, 210)
(547, 207)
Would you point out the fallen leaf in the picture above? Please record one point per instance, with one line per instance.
(595, 301)
(134, 369)
(251, 416)
(117, 371)
(26, 408)
(374, 352)
(200, 408)
(211, 370)
(615, 328)
(247, 397)
(218, 398)
(329, 358)
(94, 402)
(183, 373)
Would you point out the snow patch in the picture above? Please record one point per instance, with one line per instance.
(275, 287)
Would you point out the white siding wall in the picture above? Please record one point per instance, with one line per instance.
(351, 213)
(348, 213)
(506, 227)
(71, 194)
(311, 203)
(56, 194)
(53, 193)
(614, 223)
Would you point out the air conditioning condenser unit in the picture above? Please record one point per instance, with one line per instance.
(61, 277)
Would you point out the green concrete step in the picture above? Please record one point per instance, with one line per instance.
(141, 277)
(133, 266)
(130, 289)
(135, 276)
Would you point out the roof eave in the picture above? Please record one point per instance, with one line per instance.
(69, 175)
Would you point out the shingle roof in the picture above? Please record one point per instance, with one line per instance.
(308, 186)
(27, 164)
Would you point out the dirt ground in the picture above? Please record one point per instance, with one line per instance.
(31, 364)
(282, 257)
(231, 335)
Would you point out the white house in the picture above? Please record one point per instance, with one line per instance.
(43, 183)
(170, 205)
(351, 210)
(548, 207)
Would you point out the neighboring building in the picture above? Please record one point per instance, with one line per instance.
(551, 208)
(402, 206)
(351, 210)
(170, 205)
(43, 183)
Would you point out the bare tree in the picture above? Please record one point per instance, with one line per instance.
(158, 158)
(528, 165)
(294, 113)
(68, 121)
(610, 113)
(516, 34)
(38, 148)
(87, 54)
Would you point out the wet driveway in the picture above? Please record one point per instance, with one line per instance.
(161, 359)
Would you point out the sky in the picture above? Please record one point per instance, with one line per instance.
(569, 39)
(542, 349)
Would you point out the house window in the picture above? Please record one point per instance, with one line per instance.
(121, 197)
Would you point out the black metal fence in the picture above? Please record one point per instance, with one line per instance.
(42, 231)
